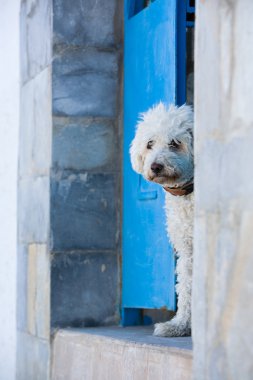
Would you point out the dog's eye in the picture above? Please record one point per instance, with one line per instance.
(174, 144)
(150, 144)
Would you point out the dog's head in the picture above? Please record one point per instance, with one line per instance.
(162, 150)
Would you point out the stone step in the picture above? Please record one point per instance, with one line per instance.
(117, 353)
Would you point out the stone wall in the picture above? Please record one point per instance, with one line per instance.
(9, 133)
(33, 302)
(85, 182)
(223, 261)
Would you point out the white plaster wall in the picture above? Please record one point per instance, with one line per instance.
(9, 129)
(223, 248)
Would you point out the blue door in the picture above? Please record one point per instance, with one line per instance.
(153, 59)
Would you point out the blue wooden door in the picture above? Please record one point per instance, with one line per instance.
(152, 54)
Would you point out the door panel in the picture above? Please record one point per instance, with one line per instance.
(149, 77)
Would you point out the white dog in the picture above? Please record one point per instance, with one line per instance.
(162, 151)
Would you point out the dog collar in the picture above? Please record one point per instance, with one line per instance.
(186, 189)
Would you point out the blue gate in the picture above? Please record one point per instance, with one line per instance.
(154, 71)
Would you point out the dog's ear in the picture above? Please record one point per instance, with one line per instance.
(136, 157)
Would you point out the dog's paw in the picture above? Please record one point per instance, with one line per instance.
(172, 328)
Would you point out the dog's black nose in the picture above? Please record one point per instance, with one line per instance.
(156, 168)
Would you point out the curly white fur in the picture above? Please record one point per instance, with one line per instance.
(164, 137)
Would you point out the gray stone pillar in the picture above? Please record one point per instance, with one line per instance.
(9, 134)
(223, 245)
(33, 314)
(85, 183)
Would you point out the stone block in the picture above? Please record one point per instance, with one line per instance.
(33, 358)
(87, 22)
(38, 291)
(83, 212)
(84, 289)
(85, 145)
(102, 354)
(22, 287)
(35, 37)
(207, 170)
(33, 209)
(230, 165)
(36, 126)
(85, 83)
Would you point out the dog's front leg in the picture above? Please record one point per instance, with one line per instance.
(180, 325)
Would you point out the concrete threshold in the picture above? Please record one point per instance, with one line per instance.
(117, 353)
